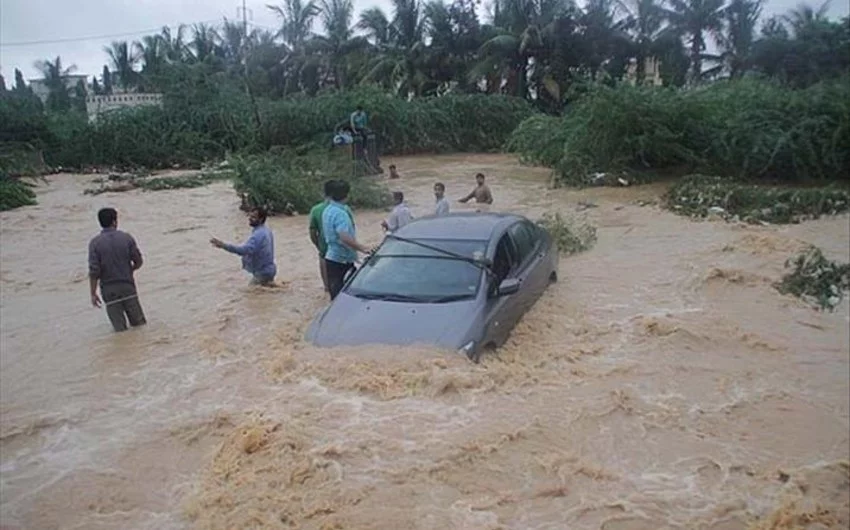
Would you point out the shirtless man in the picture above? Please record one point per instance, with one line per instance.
(481, 193)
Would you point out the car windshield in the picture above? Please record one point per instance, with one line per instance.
(405, 271)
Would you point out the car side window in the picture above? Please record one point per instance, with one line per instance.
(523, 237)
(504, 261)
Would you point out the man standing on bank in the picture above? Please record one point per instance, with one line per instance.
(339, 234)
(258, 252)
(113, 258)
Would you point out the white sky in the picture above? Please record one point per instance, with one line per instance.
(25, 21)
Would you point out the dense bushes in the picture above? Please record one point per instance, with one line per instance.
(284, 182)
(14, 193)
(746, 129)
(698, 195)
(204, 122)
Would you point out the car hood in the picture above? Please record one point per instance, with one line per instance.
(352, 321)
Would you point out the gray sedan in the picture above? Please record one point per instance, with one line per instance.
(460, 281)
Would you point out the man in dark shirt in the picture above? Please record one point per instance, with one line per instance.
(481, 193)
(113, 257)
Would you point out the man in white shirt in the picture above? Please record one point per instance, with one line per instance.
(442, 207)
(400, 215)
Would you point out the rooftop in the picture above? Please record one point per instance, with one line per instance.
(470, 226)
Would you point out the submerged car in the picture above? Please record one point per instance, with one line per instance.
(460, 281)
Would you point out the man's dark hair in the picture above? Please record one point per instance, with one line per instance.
(339, 190)
(359, 107)
(261, 213)
(398, 196)
(328, 186)
(392, 166)
(440, 186)
(479, 175)
(107, 216)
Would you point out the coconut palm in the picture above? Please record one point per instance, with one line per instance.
(174, 44)
(804, 16)
(334, 52)
(520, 28)
(54, 75)
(737, 40)
(124, 60)
(696, 19)
(645, 23)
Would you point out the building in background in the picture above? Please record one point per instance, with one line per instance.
(651, 72)
(39, 87)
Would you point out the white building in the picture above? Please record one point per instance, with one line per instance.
(39, 88)
(97, 105)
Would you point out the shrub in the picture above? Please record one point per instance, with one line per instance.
(745, 129)
(287, 183)
(14, 193)
(816, 279)
(698, 195)
(570, 235)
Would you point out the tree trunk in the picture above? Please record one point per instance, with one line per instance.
(696, 58)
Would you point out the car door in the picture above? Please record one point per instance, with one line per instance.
(530, 256)
(500, 311)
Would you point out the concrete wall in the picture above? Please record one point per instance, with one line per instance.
(96, 105)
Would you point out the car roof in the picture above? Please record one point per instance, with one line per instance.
(457, 226)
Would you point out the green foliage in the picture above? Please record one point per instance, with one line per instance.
(748, 128)
(816, 279)
(540, 140)
(448, 123)
(698, 195)
(14, 193)
(571, 235)
(285, 182)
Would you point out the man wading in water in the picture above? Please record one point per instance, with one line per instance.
(258, 252)
(481, 193)
(316, 235)
(113, 257)
(339, 234)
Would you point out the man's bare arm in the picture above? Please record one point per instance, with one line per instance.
(350, 242)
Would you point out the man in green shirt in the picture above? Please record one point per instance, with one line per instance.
(316, 235)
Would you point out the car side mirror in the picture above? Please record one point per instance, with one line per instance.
(508, 286)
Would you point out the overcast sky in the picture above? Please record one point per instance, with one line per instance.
(23, 22)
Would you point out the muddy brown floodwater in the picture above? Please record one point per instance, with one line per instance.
(662, 383)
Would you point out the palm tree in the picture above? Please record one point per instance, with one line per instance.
(204, 46)
(644, 20)
(804, 16)
(521, 27)
(376, 25)
(738, 39)
(399, 63)
(151, 53)
(174, 44)
(335, 51)
(296, 26)
(54, 74)
(695, 18)
(123, 60)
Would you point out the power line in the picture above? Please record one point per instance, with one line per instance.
(102, 37)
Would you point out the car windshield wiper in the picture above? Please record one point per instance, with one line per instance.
(480, 263)
(390, 297)
(450, 298)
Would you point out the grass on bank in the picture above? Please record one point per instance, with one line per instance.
(815, 279)
(700, 195)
